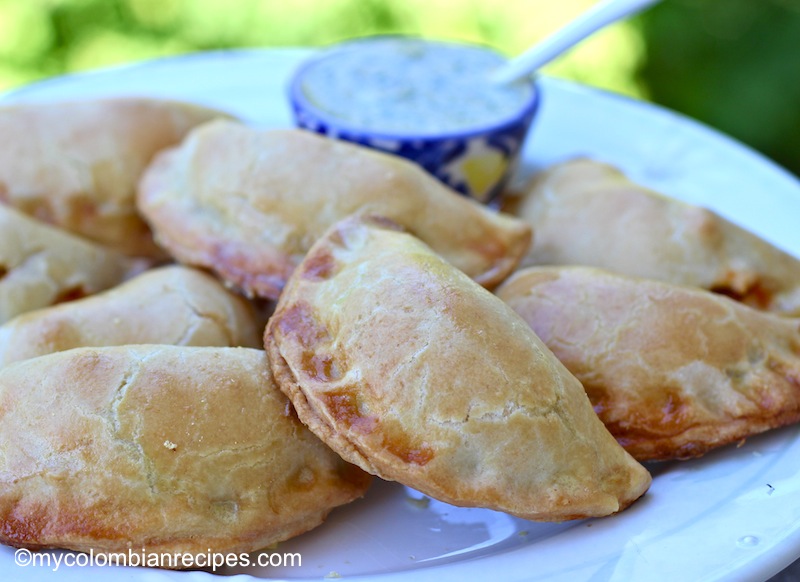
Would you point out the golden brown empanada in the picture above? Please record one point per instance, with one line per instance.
(588, 213)
(75, 164)
(249, 203)
(672, 371)
(173, 305)
(159, 449)
(41, 265)
(406, 367)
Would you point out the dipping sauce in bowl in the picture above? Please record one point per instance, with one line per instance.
(432, 102)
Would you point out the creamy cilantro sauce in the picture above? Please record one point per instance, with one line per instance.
(404, 86)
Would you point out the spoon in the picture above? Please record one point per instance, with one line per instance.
(598, 16)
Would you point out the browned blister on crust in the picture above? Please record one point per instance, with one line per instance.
(41, 265)
(588, 213)
(172, 305)
(249, 203)
(408, 368)
(672, 371)
(159, 449)
(75, 164)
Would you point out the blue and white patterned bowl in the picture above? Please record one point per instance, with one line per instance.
(476, 161)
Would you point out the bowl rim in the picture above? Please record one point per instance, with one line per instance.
(520, 117)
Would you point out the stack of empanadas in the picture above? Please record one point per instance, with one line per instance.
(666, 322)
(160, 431)
(111, 439)
(168, 428)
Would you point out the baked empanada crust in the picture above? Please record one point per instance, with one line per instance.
(161, 449)
(172, 305)
(588, 213)
(41, 265)
(672, 371)
(75, 164)
(249, 203)
(406, 367)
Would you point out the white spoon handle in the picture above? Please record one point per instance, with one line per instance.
(598, 16)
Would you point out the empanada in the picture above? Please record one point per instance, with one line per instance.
(409, 369)
(159, 449)
(249, 203)
(672, 371)
(41, 265)
(170, 305)
(588, 213)
(75, 164)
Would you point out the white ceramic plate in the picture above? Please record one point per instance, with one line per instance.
(732, 515)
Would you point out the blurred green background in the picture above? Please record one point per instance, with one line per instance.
(734, 64)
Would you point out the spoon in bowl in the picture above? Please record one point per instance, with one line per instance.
(599, 16)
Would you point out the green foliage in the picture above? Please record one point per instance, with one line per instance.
(40, 38)
(734, 64)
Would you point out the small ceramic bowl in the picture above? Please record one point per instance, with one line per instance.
(475, 158)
